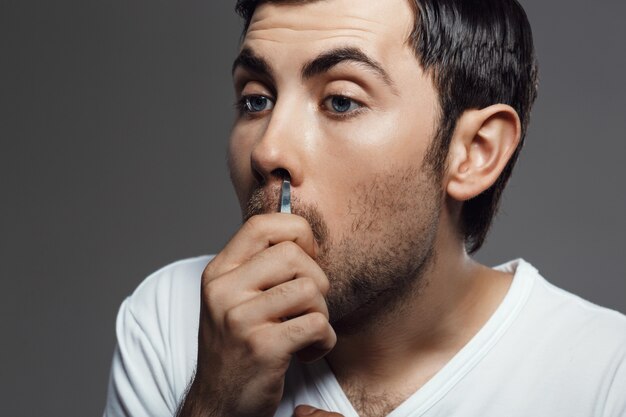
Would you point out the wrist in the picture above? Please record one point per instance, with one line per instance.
(196, 402)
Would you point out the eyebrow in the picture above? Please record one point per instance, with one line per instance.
(329, 59)
(317, 66)
(253, 63)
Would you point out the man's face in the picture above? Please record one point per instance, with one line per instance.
(331, 92)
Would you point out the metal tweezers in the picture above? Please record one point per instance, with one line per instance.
(285, 195)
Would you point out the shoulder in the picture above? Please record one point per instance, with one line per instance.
(166, 305)
(585, 317)
(161, 290)
(555, 304)
(157, 327)
(585, 345)
(572, 328)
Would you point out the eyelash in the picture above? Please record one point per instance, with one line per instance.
(240, 105)
(344, 116)
(242, 108)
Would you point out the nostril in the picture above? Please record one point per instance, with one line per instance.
(280, 173)
(277, 174)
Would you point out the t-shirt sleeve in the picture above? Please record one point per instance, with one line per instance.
(138, 385)
(615, 405)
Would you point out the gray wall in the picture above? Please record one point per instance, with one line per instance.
(114, 117)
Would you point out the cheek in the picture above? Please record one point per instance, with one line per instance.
(366, 151)
(239, 151)
(387, 141)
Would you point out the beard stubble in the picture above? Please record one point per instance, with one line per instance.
(376, 266)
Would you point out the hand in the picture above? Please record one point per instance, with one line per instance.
(262, 302)
(308, 411)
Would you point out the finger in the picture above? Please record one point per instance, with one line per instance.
(307, 410)
(309, 330)
(292, 298)
(276, 265)
(281, 263)
(281, 341)
(259, 233)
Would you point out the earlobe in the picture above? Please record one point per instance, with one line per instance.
(483, 142)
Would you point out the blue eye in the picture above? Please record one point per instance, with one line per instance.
(342, 104)
(256, 103)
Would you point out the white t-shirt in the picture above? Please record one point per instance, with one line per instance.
(543, 353)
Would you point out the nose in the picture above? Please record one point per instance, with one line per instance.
(281, 148)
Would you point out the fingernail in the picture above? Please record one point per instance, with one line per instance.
(305, 410)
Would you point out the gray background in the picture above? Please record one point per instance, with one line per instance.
(114, 117)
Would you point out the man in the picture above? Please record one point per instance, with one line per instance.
(397, 123)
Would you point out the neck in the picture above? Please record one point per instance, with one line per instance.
(411, 343)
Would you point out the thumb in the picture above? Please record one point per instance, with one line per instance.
(308, 411)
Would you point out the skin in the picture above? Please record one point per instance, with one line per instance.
(365, 207)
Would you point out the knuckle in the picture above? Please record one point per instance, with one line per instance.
(210, 271)
(317, 322)
(254, 225)
(307, 287)
(324, 285)
(258, 346)
(302, 226)
(289, 253)
(290, 250)
(294, 332)
(234, 320)
(212, 294)
(280, 291)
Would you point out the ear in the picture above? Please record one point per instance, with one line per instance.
(481, 146)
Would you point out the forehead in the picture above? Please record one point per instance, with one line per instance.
(381, 27)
